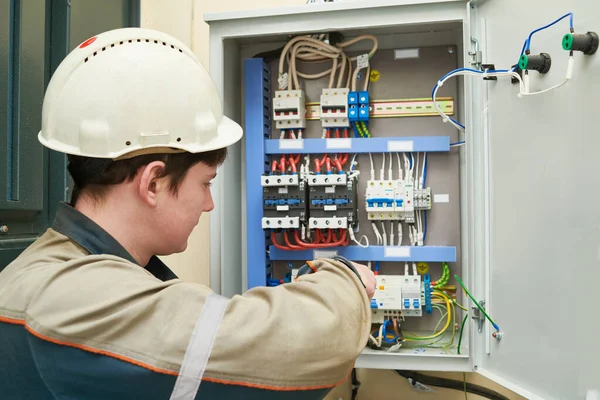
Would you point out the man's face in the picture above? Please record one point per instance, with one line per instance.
(179, 213)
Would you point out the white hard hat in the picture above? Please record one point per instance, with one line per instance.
(133, 90)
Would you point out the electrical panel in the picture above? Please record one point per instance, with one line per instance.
(403, 102)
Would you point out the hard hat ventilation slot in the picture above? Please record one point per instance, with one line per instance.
(132, 41)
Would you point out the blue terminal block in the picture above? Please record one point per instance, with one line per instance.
(427, 293)
(363, 106)
(353, 106)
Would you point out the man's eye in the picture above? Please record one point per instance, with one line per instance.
(208, 184)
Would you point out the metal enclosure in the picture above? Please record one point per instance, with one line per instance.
(521, 238)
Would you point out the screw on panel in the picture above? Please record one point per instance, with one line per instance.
(3, 228)
(497, 335)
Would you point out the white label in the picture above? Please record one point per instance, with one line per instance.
(393, 252)
(330, 208)
(283, 190)
(283, 208)
(401, 145)
(295, 144)
(344, 143)
(441, 198)
(324, 254)
(330, 189)
(402, 54)
(283, 81)
(362, 61)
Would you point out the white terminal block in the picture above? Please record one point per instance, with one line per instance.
(411, 296)
(422, 199)
(281, 222)
(334, 108)
(380, 200)
(328, 223)
(279, 180)
(289, 110)
(328, 180)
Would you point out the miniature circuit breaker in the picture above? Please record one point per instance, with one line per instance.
(397, 296)
(334, 108)
(332, 201)
(384, 200)
(289, 110)
(284, 201)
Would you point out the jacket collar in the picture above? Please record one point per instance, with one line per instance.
(96, 240)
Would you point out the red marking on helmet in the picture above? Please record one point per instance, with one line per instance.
(87, 42)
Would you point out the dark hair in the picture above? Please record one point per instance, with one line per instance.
(94, 176)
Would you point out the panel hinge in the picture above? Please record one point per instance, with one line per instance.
(476, 55)
(478, 316)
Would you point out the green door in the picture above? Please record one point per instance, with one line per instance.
(35, 35)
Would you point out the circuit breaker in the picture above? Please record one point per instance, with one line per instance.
(289, 109)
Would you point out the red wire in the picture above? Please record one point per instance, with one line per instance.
(292, 165)
(325, 155)
(274, 166)
(277, 244)
(317, 165)
(282, 164)
(297, 158)
(328, 164)
(316, 246)
(338, 164)
(290, 245)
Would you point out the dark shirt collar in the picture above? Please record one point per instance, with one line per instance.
(96, 240)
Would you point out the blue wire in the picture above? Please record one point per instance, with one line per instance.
(457, 143)
(355, 129)
(425, 170)
(528, 42)
(411, 160)
(376, 266)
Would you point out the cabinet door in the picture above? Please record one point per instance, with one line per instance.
(35, 35)
(537, 185)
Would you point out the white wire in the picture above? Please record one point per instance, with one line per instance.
(391, 168)
(406, 165)
(416, 168)
(414, 268)
(399, 167)
(372, 167)
(359, 243)
(382, 170)
(377, 234)
(383, 234)
(399, 233)
(422, 183)
(391, 233)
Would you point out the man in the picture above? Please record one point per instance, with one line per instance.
(89, 312)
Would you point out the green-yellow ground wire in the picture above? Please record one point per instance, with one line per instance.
(496, 327)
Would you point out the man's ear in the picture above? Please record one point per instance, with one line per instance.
(151, 182)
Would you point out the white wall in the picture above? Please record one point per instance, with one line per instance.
(184, 19)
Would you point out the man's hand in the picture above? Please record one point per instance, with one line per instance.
(367, 277)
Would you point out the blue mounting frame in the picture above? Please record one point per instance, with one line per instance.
(429, 144)
(257, 127)
(371, 253)
(258, 145)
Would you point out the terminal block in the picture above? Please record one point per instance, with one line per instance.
(332, 201)
(334, 108)
(408, 204)
(383, 200)
(422, 199)
(358, 106)
(289, 110)
(284, 201)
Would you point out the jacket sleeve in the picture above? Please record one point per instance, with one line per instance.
(307, 333)
(298, 336)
